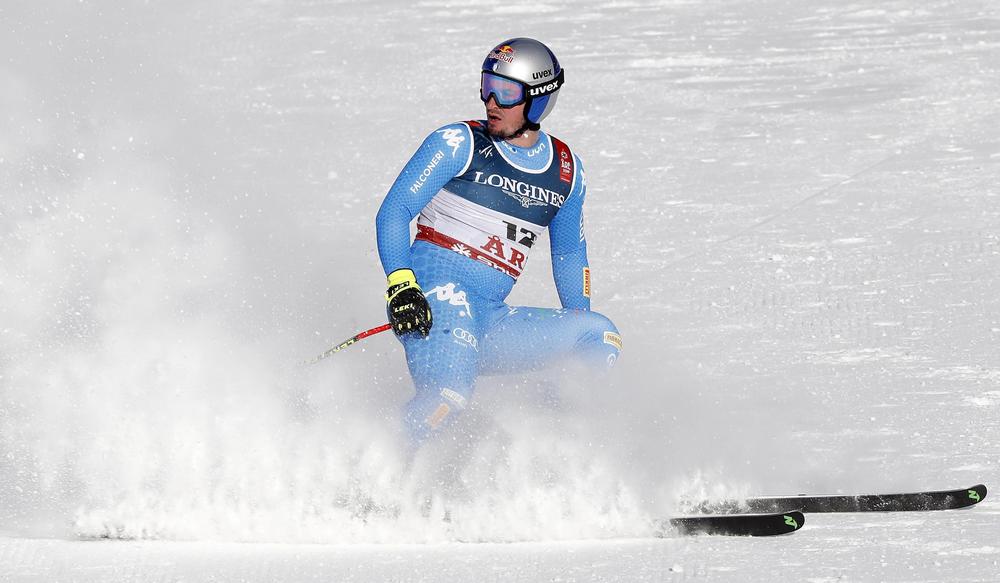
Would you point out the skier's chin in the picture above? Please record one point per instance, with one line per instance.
(495, 130)
(500, 133)
(497, 133)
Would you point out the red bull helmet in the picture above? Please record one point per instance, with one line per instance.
(522, 70)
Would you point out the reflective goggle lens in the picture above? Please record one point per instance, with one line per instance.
(507, 92)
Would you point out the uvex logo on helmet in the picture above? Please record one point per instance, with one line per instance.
(543, 89)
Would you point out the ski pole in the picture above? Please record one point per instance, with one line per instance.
(349, 341)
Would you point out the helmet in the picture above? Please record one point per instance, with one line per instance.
(523, 70)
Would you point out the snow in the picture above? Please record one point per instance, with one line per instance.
(793, 216)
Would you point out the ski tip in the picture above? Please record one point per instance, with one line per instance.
(794, 520)
(976, 494)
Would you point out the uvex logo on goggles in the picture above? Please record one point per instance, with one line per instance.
(547, 88)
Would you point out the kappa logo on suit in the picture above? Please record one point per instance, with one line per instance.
(447, 293)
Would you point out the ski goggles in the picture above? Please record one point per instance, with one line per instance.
(510, 92)
(507, 92)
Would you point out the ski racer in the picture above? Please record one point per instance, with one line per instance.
(483, 192)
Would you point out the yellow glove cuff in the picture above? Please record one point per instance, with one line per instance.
(402, 276)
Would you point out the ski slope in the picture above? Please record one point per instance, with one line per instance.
(793, 216)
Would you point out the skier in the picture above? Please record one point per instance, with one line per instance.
(485, 191)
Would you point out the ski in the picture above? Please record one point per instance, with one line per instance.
(767, 524)
(903, 502)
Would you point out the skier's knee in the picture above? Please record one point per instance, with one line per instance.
(427, 416)
(606, 339)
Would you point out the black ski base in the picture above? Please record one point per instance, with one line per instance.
(767, 524)
(903, 502)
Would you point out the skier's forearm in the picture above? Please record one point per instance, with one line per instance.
(571, 272)
(392, 227)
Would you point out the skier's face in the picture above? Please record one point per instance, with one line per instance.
(503, 122)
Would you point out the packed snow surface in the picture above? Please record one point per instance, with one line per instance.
(793, 216)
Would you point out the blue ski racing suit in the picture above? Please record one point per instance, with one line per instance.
(481, 204)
